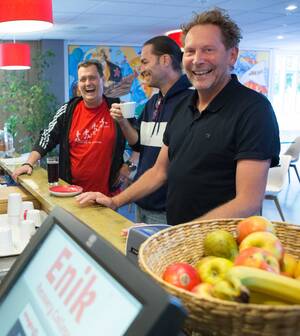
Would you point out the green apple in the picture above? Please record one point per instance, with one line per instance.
(220, 243)
(213, 269)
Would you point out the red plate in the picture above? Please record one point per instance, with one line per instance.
(65, 191)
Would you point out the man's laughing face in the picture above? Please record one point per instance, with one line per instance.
(90, 85)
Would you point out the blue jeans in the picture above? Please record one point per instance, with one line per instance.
(150, 217)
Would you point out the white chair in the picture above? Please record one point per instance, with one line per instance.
(276, 178)
(294, 152)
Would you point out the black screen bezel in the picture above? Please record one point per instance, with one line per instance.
(157, 306)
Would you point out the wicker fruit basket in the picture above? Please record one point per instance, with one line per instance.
(213, 316)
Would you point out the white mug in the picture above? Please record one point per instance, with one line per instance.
(35, 216)
(27, 229)
(14, 224)
(26, 206)
(128, 109)
(6, 242)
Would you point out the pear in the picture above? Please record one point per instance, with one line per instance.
(220, 243)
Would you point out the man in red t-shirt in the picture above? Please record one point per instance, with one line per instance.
(91, 144)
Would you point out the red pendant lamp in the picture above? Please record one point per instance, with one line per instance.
(14, 56)
(18, 16)
(175, 35)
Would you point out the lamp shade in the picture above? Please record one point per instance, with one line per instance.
(14, 56)
(18, 16)
(176, 36)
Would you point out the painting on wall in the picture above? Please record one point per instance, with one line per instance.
(121, 71)
(252, 69)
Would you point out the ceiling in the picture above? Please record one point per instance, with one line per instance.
(132, 22)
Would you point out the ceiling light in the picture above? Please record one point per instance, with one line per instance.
(14, 56)
(280, 37)
(291, 7)
(175, 35)
(19, 16)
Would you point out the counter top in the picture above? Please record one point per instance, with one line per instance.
(106, 222)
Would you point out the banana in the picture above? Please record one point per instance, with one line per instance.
(260, 298)
(279, 287)
(231, 289)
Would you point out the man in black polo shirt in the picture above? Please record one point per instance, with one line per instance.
(220, 143)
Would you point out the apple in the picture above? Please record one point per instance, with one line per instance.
(203, 260)
(203, 290)
(220, 243)
(258, 258)
(213, 269)
(288, 265)
(265, 240)
(297, 271)
(253, 224)
(182, 275)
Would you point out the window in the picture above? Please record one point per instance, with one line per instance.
(286, 90)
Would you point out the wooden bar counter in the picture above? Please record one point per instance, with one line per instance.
(106, 222)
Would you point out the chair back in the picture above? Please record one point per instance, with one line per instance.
(277, 175)
(294, 149)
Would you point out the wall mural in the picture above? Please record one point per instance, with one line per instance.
(252, 69)
(121, 71)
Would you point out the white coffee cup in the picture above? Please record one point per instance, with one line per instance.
(26, 206)
(14, 204)
(128, 109)
(6, 242)
(27, 230)
(35, 216)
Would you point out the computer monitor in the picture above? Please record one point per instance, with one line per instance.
(70, 281)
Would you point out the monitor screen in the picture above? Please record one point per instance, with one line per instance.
(71, 282)
(62, 290)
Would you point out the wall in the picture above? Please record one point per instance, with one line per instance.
(55, 74)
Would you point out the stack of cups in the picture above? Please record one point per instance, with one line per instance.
(14, 206)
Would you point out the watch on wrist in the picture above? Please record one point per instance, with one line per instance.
(131, 165)
(28, 164)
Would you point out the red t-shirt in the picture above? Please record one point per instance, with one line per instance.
(92, 140)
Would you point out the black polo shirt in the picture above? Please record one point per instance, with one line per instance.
(204, 148)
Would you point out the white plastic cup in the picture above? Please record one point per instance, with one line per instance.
(35, 216)
(6, 242)
(14, 204)
(14, 224)
(26, 206)
(128, 109)
(27, 230)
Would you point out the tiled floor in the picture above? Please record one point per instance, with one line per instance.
(289, 199)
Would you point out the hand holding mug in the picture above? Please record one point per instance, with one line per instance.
(122, 111)
(115, 112)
